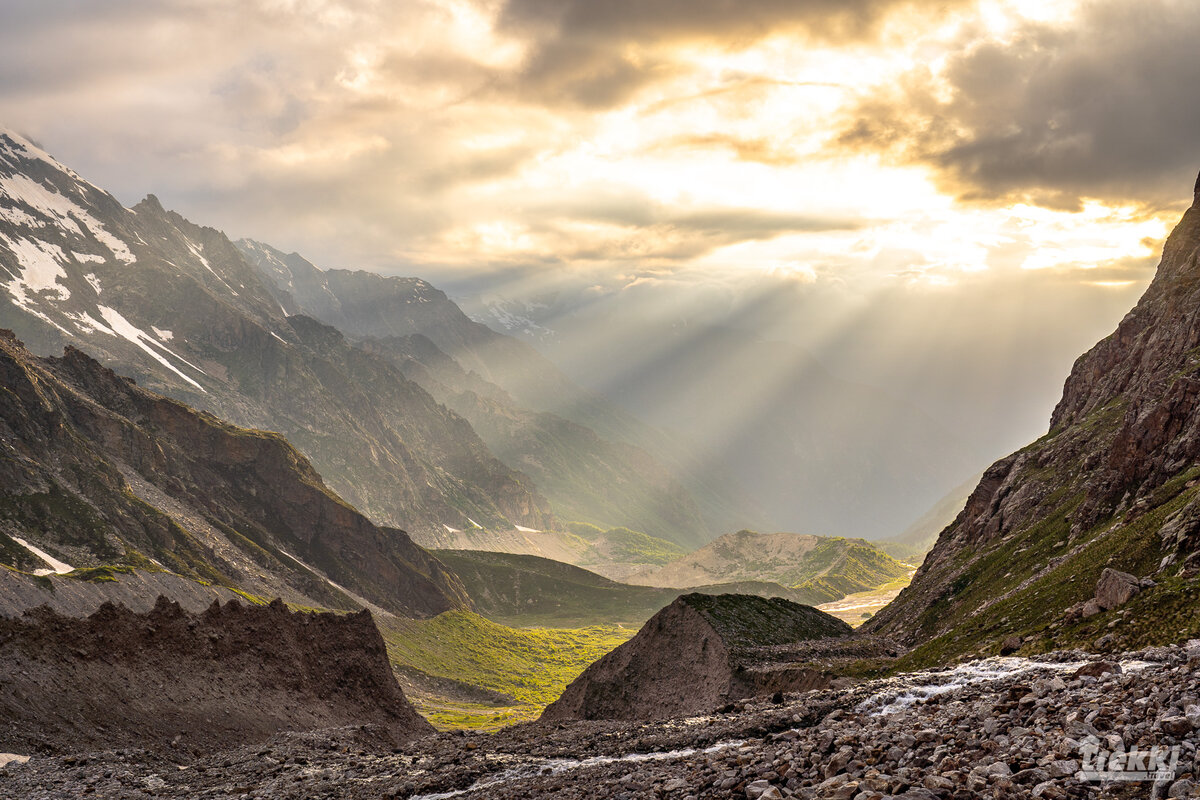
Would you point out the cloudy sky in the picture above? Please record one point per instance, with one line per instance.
(935, 174)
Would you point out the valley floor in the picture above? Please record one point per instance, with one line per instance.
(855, 609)
(1063, 726)
(462, 671)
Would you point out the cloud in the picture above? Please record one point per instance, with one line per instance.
(759, 150)
(1101, 107)
(599, 54)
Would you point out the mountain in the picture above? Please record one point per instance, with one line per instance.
(593, 461)
(523, 590)
(96, 471)
(177, 307)
(826, 567)
(585, 477)
(695, 654)
(1111, 493)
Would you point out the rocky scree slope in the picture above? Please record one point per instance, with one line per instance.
(169, 679)
(95, 471)
(1115, 484)
(176, 306)
(696, 654)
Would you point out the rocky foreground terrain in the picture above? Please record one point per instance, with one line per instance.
(1002, 728)
(191, 683)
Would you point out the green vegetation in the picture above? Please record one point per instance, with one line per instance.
(1033, 608)
(821, 568)
(745, 621)
(104, 574)
(532, 666)
(846, 566)
(624, 546)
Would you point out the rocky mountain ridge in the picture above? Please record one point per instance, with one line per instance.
(697, 653)
(593, 462)
(825, 568)
(98, 471)
(1113, 485)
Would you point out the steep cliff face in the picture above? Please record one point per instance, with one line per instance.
(95, 471)
(168, 679)
(1113, 484)
(176, 306)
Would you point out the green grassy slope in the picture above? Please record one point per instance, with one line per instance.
(531, 666)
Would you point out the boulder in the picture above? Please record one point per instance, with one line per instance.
(1116, 588)
(1097, 669)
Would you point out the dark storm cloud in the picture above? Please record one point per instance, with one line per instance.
(597, 54)
(1104, 108)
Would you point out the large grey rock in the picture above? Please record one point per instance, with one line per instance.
(1115, 588)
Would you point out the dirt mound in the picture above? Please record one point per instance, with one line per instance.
(229, 676)
(697, 654)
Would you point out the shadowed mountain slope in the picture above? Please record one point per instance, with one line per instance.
(95, 470)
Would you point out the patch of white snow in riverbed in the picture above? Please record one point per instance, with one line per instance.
(557, 766)
(908, 690)
(526, 530)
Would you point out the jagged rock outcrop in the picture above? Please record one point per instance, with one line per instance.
(696, 654)
(95, 470)
(169, 679)
(1113, 485)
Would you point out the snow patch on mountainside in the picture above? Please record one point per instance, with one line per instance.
(130, 332)
(41, 266)
(56, 567)
(63, 212)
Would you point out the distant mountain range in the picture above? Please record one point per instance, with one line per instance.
(529, 414)
(823, 568)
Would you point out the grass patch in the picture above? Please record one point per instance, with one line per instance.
(533, 666)
(105, 574)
